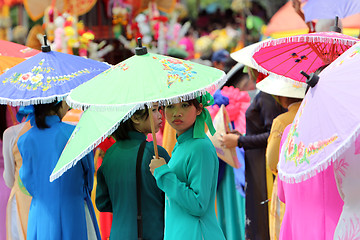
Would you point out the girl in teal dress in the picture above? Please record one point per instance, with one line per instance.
(116, 180)
(189, 179)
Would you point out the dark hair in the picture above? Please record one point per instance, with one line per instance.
(43, 110)
(121, 133)
(195, 103)
(236, 78)
(229, 64)
(294, 100)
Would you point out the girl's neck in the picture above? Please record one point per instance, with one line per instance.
(140, 131)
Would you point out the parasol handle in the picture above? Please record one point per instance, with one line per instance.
(153, 133)
(45, 47)
(336, 28)
(140, 49)
(311, 79)
(305, 74)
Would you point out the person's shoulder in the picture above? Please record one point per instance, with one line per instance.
(150, 147)
(203, 143)
(111, 150)
(281, 117)
(163, 153)
(284, 118)
(27, 138)
(67, 126)
(9, 133)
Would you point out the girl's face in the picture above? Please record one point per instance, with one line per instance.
(181, 116)
(144, 126)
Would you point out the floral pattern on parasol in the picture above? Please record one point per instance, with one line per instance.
(178, 70)
(298, 152)
(35, 78)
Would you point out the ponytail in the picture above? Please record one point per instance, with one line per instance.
(41, 111)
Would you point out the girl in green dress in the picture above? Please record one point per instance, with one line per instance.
(116, 186)
(189, 179)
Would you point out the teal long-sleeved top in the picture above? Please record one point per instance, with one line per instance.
(189, 182)
(116, 190)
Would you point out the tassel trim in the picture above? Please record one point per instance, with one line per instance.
(55, 175)
(321, 166)
(162, 101)
(32, 101)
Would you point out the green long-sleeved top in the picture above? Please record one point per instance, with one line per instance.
(116, 190)
(189, 182)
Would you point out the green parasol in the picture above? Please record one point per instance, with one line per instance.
(92, 129)
(128, 86)
(143, 79)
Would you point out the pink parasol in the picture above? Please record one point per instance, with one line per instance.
(327, 122)
(307, 52)
(16, 50)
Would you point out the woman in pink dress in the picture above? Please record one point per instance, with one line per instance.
(312, 207)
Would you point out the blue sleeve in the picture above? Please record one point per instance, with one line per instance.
(26, 172)
(102, 200)
(195, 195)
(89, 171)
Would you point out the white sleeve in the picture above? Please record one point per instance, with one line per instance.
(9, 137)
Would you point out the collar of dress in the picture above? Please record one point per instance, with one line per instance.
(51, 120)
(185, 136)
(137, 135)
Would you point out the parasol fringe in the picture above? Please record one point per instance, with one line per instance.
(299, 38)
(179, 98)
(32, 101)
(96, 143)
(296, 178)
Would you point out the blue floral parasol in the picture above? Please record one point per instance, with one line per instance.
(46, 77)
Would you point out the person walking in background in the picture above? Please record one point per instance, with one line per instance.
(61, 209)
(4, 190)
(289, 94)
(259, 117)
(18, 205)
(219, 59)
(118, 184)
(317, 197)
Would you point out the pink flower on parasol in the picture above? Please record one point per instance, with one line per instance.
(307, 52)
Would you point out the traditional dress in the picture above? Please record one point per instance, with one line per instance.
(189, 181)
(116, 189)
(312, 207)
(4, 197)
(259, 117)
(277, 208)
(60, 210)
(19, 201)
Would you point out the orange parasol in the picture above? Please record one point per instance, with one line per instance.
(7, 62)
(286, 22)
(36, 8)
